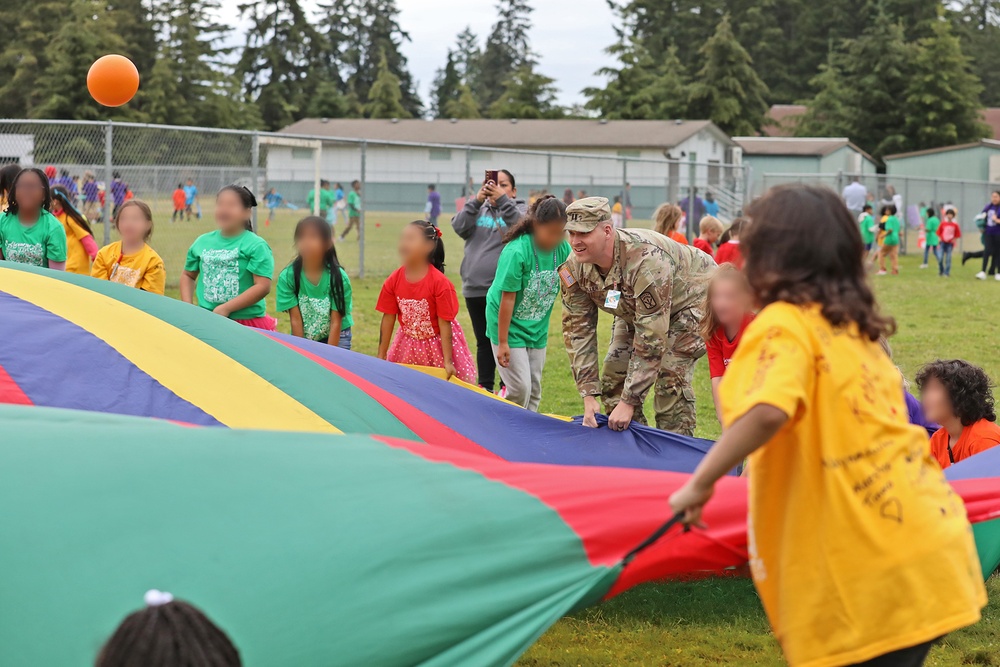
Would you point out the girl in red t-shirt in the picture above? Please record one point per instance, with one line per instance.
(426, 305)
(728, 311)
(729, 245)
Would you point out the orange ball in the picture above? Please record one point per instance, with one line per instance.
(113, 80)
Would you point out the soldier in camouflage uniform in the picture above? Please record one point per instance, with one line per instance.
(655, 288)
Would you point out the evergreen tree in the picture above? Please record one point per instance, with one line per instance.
(827, 114)
(28, 29)
(86, 34)
(641, 89)
(977, 23)
(385, 98)
(136, 26)
(727, 90)
(329, 102)
(464, 106)
(275, 64)
(446, 85)
(526, 94)
(507, 51)
(942, 95)
(468, 58)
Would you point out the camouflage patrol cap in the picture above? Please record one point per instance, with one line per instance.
(584, 215)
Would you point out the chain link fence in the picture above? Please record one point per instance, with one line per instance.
(178, 170)
(915, 194)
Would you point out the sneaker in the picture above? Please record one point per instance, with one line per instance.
(981, 275)
(882, 273)
(923, 266)
(997, 276)
(503, 390)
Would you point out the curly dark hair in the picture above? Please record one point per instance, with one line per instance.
(545, 210)
(968, 386)
(803, 246)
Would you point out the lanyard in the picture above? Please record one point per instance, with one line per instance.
(121, 256)
(538, 269)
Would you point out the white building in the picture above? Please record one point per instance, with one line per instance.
(655, 157)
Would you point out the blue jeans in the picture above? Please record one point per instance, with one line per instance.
(937, 253)
(345, 339)
(944, 258)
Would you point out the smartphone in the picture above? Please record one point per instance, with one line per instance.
(492, 175)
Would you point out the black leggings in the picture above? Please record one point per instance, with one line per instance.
(486, 363)
(991, 253)
(907, 657)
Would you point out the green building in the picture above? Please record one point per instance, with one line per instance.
(976, 162)
(821, 160)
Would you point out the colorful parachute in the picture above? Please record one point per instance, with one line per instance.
(440, 527)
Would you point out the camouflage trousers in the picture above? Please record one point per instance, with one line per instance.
(673, 393)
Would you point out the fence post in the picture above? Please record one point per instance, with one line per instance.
(317, 167)
(626, 198)
(361, 229)
(548, 174)
(468, 172)
(840, 181)
(109, 196)
(934, 202)
(254, 173)
(904, 223)
(961, 211)
(692, 177)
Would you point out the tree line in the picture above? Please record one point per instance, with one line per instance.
(890, 74)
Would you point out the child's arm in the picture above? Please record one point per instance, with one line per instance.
(100, 269)
(90, 245)
(503, 327)
(155, 278)
(746, 435)
(57, 266)
(449, 364)
(261, 288)
(715, 398)
(336, 320)
(188, 280)
(385, 334)
(295, 319)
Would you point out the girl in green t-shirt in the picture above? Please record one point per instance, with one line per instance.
(932, 241)
(314, 289)
(519, 303)
(29, 234)
(888, 240)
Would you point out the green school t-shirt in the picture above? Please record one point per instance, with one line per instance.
(314, 302)
(931, 225)
(531, 274)
(353, 204)
(867, 235)
(226, 267)
(35, 244)
(892, 231)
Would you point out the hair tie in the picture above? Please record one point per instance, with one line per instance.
(155, 598)
(438, 232)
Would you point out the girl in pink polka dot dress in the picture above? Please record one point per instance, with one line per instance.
(426, 305)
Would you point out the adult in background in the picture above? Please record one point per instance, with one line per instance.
(696, 213)
(568, 196)
(991, 238)
(433, 208)
(855, 196)
(482, 223)
(655, 288)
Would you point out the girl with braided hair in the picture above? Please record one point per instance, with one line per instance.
(425, 303)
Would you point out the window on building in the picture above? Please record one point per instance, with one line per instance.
(302, 153)
(630, 153)
(442, 154)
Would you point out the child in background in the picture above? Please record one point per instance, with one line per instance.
(314, 289)
(191, 206)
(839, 479)
(131, 261)
(180, 203)
(666, 218)
(340, 204)
(168, 632)
(866, 223)
(958, 396)
(91, 197)
(426, 305)
(729, 245)
(81, 247)
(273, 201)
(353, 209)
(519, 303)
(29, 234)
(617, 213)
(229, 270)
(932, 242)
(949, 232)
(7, 174)
(728, 311)
(710, 229)
(888, 240)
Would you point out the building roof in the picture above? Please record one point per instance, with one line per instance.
(988, 143)
(524, 133)
(796, 146)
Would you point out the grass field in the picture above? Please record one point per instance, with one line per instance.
(682, 624)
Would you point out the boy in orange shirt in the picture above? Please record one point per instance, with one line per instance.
(180, 203)
(957, 395)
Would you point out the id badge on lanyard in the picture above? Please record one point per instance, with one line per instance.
(613, 297)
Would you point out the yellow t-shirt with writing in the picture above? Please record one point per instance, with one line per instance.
(858, 546)
(143, 269)
(77, 259)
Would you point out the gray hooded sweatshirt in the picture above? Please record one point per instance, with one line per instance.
(483, 227)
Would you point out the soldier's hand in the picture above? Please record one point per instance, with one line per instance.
(621, 416)
(590, 408)
(503, 355)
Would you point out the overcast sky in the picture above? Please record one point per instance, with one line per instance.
(570, 37)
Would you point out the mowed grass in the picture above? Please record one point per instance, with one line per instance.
(712, 622)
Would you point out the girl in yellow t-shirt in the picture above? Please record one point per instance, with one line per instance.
(858, 546)
(131, 261)
(81, 247)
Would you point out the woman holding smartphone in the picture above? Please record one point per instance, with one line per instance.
(482, 223)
